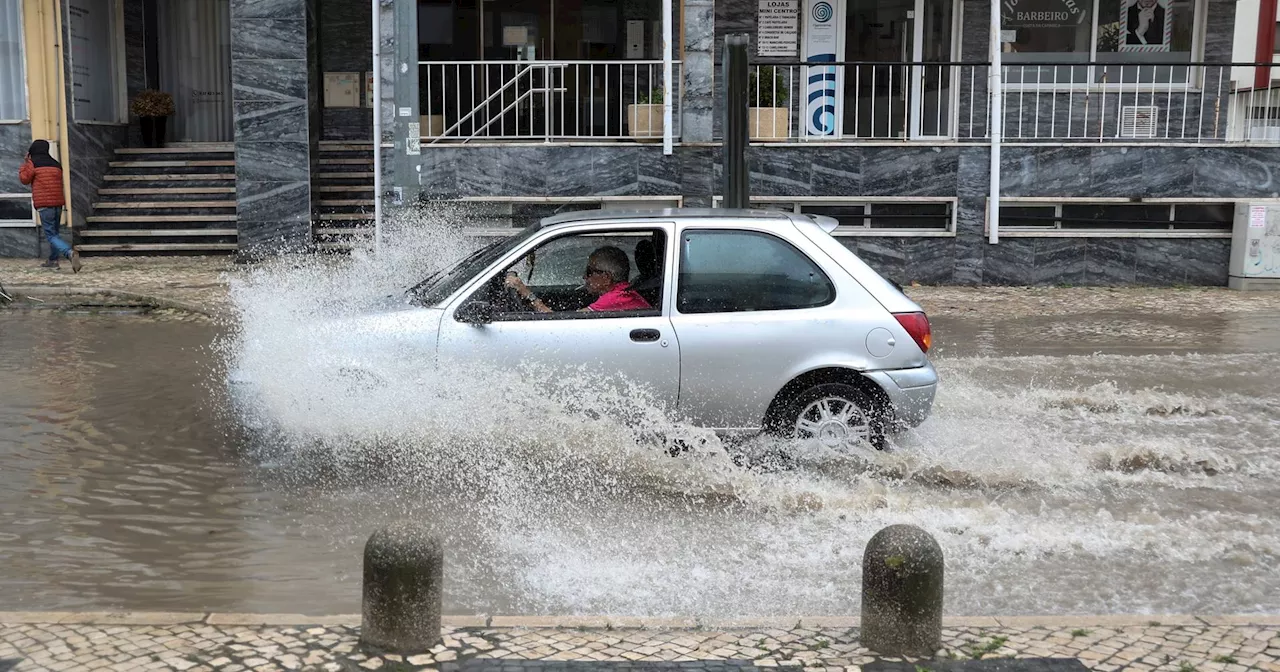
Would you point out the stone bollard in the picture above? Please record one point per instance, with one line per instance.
(403, 573)
(902, 592)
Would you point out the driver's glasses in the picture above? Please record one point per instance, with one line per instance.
(591, 270)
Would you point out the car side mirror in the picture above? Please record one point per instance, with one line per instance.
(475, 312)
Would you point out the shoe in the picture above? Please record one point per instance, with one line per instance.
(49, 264)
(75, 261)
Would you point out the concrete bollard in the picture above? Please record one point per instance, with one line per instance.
(403, 574)
(902, 592)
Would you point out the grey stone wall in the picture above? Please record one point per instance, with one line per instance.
(272, 84)
(14, 140)
(345, 47)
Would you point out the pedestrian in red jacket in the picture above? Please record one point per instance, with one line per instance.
(44, 174)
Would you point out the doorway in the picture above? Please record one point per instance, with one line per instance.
(894, 92)
(194, 65)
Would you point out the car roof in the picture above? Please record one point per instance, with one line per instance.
(662, 213)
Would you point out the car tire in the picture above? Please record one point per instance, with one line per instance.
(839, 416)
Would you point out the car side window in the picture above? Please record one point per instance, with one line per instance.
(739, 271)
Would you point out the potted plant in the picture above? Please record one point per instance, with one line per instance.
(152, 109)
(645, 117)
(768, 118)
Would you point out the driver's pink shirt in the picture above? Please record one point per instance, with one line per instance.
(621, 297)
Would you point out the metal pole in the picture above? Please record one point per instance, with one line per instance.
(1263, 50)
(377, 126)
(666, 77)
(736, 178)
(997, 128)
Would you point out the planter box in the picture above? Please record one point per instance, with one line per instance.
(645, 121)
(769, 124)
(432, 125)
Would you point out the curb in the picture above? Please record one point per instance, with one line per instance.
(72, 293)
(161, 618)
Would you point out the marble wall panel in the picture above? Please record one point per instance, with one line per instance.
(1110, 261)
(267, 121)
(273, 201)
(1234, 172)
(1059, 261)
(14, 141)
(697, 98)
(836, 171)
(21, 243)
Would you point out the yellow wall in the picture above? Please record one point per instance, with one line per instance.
(46, 99)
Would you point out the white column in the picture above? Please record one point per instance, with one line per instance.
(377, 126)
(666, 77)
(996, 128)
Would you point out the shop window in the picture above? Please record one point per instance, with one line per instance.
(1128, 41)
(15, 210)
(1126, 217)
(97, 85)
(13, 90)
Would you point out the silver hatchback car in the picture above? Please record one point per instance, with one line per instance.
(733, 320)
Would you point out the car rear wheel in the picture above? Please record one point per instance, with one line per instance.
(839, 417)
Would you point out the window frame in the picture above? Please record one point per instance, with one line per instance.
(1056, 230)
(1193, 84)
(119, 69)
(477, 284)
(673, 280)
(22, 63)
(30, 222)
(799, 202)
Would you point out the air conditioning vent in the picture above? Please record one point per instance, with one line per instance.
(1139, 121)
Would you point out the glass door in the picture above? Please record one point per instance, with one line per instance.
(894, 92)
(932, 85)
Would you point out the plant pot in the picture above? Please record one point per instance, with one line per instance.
(769, 124)
(644, 121)
(153, 130)
(431, 125)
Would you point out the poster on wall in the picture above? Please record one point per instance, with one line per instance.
(1147, 24)
(778, 28)
(823, 34)
(90, 26)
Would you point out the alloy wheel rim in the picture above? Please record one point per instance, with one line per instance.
(836, 423)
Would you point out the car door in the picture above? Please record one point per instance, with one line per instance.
(627, 351)
(747, 308)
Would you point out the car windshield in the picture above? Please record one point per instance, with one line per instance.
(441, 284)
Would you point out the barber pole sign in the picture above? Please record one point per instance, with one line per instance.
(823, 42)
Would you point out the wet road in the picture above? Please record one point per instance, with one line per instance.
(1077, 464)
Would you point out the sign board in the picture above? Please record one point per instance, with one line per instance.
(413, 143)
(515, 36)
(1258, 217)
(342, 89)
(1043, 13)
(823, 43)
(778, 29)
(368, 89)
(1147, 25)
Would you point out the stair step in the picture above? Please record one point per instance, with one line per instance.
(211, 148)
(346, 201)
(172, 177)
(142, 205)
(171, 164)
(121, 233)
(125, 191)
(347, 144)
(142, 219)
(341, 231)
(159, 247)
(342, 162)
(345, 216)
(333, 188)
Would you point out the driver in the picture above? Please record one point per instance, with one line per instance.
(606, 277)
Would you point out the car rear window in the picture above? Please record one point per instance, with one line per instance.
(739, 271)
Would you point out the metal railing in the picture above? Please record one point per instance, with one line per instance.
(1057, 102)
(550, 101)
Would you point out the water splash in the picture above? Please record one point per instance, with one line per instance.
(557, 493)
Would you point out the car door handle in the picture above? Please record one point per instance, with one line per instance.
(645, 335)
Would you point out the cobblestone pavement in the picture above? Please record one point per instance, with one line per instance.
(231, 642)
(201, 282)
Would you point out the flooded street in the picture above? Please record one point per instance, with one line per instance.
(1104, 463)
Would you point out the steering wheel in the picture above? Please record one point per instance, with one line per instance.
(512, 302)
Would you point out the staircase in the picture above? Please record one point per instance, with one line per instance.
(179, 199)
(342, 188)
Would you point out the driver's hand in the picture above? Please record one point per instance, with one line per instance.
(513, 281)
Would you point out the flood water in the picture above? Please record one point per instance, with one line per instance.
(1092, 464)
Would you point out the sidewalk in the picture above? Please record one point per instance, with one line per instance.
(237, 642)
(200, 284)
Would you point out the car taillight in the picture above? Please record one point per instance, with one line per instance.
(917, 324)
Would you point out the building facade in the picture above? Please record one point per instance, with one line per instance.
(1129, 132)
